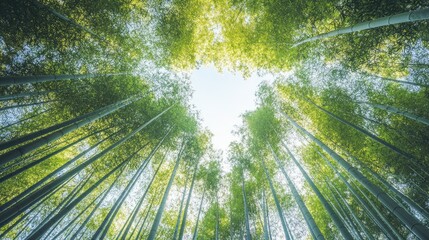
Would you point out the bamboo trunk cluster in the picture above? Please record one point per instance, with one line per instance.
(412, 223)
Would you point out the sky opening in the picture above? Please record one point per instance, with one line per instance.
(221, 98)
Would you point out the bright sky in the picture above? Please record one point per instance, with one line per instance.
(221, 97)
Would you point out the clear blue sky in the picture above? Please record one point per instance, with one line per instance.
(221, 97)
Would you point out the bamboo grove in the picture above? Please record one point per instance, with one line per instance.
(98, 139)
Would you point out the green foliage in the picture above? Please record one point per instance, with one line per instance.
(263, 126)
(138, 49)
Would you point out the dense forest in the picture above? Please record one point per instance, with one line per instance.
(98, 139)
